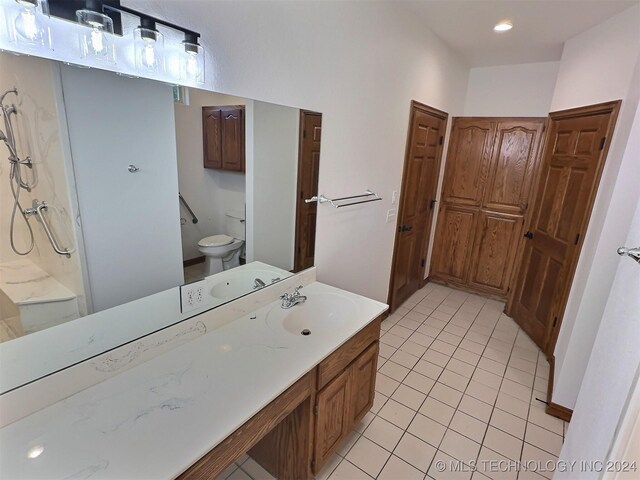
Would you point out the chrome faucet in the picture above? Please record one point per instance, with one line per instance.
(291, 299)
(257, 283)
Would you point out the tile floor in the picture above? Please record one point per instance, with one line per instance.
(194, 272)
(457, 386)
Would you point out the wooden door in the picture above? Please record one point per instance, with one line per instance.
(454, 242)
(308, 171)
(233, 141)
(418, 195)
(212, 137)
(363, 382)
(333, 419)
(574, 156)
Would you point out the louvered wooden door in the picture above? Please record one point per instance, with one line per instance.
(573, 159)
(487, 184)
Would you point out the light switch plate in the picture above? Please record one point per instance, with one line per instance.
(391, 215)
(192, 296)
(394, 197)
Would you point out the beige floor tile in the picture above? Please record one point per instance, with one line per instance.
(450, 338)
(460, 447)
(454, 380)
(392, 340)
(543, 439)
(428, 369)
(429, 330)
(476, 408)
(496, 355)
(516, 390)
(397, 413)
(384, 433)
(419, 382)
(378, 401)
(364, 422)
(400, 331)
(421, 339)
(415, 452)
(477, 337)
(413, 348)
(443, 347)
(394, 370)
(496, 466)
(446, 394)
(518, 376)
(512, 405)
(503, 443)
(239, 474)
(436, 323)
(438, 358)
(524, 365)
(427, 430)
(539, 457)
(386, 385)
(445, 467)
(409, 323)
(440, 315)
(482, 392)
(456, 329)
(409, 397)
(437, 410)
(466, 356)
(491, 366)
(397, 469)
(348, 471)
(385, 350)
(460, 367)
(538, 416)
(497, 344)
(256, 471)
(487, 378)
(227, 472)
(403, 358)
(329, 467)
(508, 423)
(368, 456)
(348, 442)
(468, 426)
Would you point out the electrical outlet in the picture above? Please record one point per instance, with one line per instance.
(192, 296)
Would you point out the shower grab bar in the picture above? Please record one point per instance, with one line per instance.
(36, 209)
(194, 219)
(322, 199)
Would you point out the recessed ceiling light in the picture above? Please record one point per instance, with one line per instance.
(503, 26)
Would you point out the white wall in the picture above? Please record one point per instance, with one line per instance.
(523, 90)
(130, 222)
(210, 193)
(598, 65)
(329, 57)
(615, 358)
(37, 129)
(274, 181)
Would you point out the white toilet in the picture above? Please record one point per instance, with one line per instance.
(222, 252)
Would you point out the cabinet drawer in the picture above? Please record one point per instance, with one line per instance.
(344, 355)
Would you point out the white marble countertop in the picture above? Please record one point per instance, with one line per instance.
(155, 420)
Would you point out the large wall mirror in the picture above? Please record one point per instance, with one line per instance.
(116, 191)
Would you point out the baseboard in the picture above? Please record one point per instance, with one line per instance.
(553, 409)
(193, 261)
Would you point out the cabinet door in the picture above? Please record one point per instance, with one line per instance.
(468, 161)
(333, 421)
(494, 251)
(233, 138)
(212, 137)
(363, 382)
(513, 165)
(453, 243)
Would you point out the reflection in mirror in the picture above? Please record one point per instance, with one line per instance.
(113, 189)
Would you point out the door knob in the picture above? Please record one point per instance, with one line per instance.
(528, 235)
(634, 253)
(405, 228)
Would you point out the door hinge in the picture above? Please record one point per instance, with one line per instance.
(304, 134)
(441, 139)
(423, 263)
(602, 142)
(555, 321)
(528, 235)
(577, 239)
(315, 409)
(299, 249)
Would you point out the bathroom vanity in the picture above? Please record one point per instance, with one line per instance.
(254, 383)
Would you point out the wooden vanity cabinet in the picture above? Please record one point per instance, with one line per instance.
(223, 136)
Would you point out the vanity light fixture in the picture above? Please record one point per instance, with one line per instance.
(97, 39)
(148, 46)
(192, 60)
(29, 24)
(35, 452)
(503, 26)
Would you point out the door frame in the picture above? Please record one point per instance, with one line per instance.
(560, 305)
(415, 105)
(298, 235)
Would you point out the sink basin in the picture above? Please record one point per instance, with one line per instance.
(240, 283)
(323, 311)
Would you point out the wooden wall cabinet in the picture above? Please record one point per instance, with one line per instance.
(489, 173)
(223, 136)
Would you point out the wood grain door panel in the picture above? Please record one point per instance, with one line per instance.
(363, 382)
(333, 420)
(454, 242)
(497, 237)
(467, 161)
(212, 137)
(573, 160)
(233, 141)
(513, 165)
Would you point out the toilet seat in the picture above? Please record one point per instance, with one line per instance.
(216, 241)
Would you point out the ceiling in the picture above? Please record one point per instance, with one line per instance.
(540, 27)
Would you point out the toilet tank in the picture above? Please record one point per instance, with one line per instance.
(234, 224)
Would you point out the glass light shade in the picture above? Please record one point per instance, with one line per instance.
(192, 62)
(96, 40)
(29, 24)
(149, 49)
